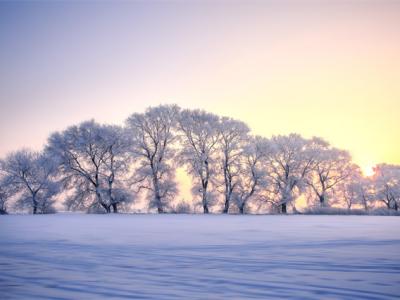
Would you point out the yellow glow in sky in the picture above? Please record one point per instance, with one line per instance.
(368, 170)
(329, 70)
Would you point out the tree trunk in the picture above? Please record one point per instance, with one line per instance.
(110, 194)
(283, 208)
(226, 207)
(286, 198)
(365, 204)
(241, 208)
(322, 200)
(157, 196)
(228, 192)
(204, 197)
(35, 206)
(106, 207)
(160, 210)
(204, 200)
(388, 204)
(34, 202)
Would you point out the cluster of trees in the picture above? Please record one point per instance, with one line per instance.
(105, 168)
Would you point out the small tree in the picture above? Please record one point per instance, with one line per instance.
(6, 192)
(356, 189)
(387, 185)
(29, 177)
(233, 135)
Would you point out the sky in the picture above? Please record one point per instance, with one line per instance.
(318, 68)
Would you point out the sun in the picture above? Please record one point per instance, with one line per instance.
(368, 170)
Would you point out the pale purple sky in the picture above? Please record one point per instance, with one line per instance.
(313, 67)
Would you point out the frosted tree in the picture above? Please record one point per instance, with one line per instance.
(356, 189)
(387, 185)
(290, 161)
(331, 167)
(152, 139)
(252, 178)
(233, 135)
(7, 190)
(29, 177)
(4, 197)
(199, 139)
(86, 154)
(116, 165)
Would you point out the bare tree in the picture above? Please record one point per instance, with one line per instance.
(153, 136)
(233, 135)
(199, 141)
(29, 176)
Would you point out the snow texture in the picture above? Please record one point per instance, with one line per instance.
(76, 256)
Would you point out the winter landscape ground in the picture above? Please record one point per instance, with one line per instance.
(78, 256)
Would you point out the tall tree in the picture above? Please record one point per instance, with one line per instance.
(252, 178)
(153, 137)
(290, 161)
(116, 165)
(233, 135)
(200, 136)
(331, 167)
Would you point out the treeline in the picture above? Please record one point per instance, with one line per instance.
(105, 168)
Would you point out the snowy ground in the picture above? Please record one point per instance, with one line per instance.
(73, 256)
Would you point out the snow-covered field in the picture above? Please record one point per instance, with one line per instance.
(74, 256)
